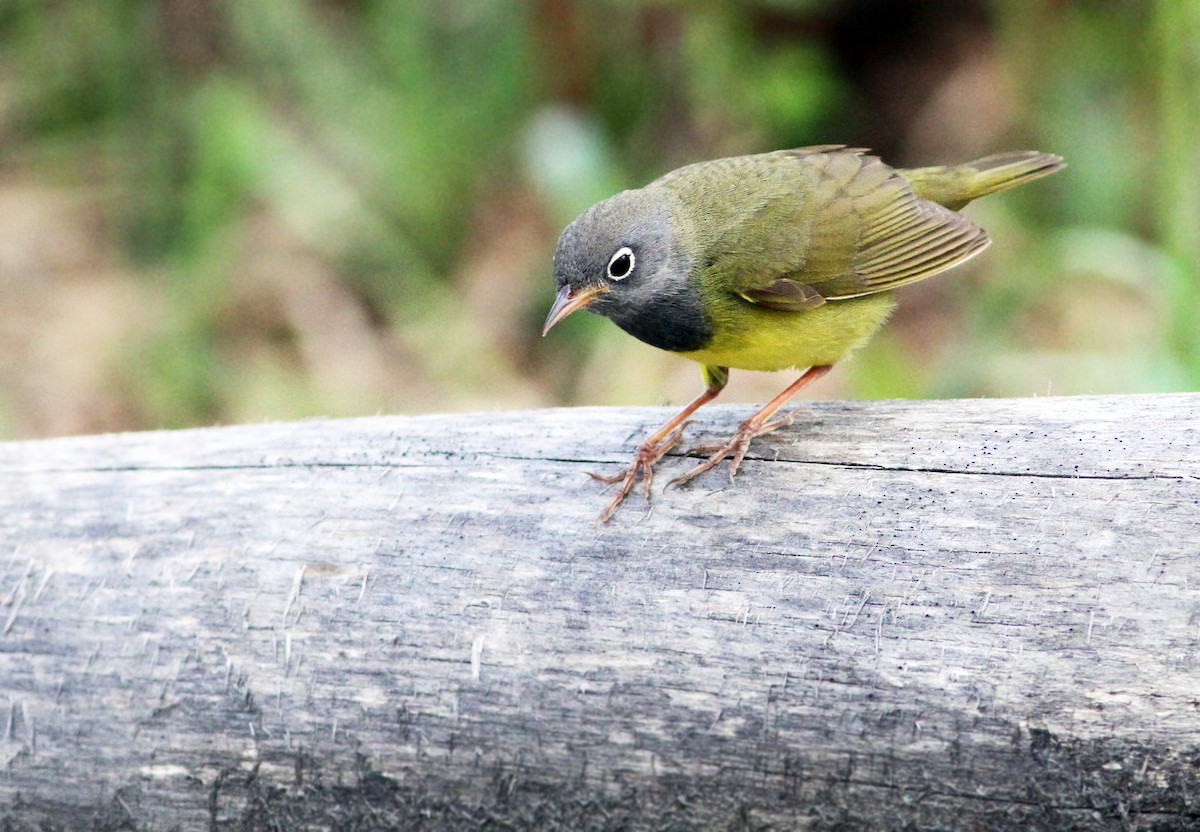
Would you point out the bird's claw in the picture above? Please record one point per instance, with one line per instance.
(647, 454)
(737, 447)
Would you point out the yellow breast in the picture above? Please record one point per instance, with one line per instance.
(748, 337)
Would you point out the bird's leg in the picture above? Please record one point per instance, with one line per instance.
(658, 443)
(758, 424)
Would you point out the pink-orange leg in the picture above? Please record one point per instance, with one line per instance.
(651, 451)
(758, 424)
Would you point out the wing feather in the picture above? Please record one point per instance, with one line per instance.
(832, 219)
(897, 237)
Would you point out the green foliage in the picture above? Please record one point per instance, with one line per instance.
(422, 156)
(780, 93)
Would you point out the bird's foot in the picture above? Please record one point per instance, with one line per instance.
(735, 447)
(647, 454)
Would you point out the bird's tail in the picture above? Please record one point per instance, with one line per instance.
(955, 185)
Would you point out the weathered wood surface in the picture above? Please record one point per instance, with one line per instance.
(969, 614)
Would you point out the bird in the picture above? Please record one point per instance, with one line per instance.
(770, 261)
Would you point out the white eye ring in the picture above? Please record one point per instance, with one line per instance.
(622, 252)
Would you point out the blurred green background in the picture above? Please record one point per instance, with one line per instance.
(218, 211)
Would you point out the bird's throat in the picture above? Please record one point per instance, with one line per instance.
(676, 322)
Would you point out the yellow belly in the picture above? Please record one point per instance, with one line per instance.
(749, 337)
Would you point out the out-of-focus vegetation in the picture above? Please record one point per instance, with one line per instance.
(224, 211)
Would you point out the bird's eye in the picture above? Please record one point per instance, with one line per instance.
(621, 263)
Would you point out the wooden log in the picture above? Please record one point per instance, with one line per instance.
(966, 614)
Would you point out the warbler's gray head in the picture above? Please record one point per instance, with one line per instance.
(624, 258)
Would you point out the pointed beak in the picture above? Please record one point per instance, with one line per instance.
(570, 300)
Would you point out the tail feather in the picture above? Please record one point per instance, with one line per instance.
(956, 185)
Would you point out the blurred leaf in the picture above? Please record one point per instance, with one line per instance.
(741, 84)
(569, 161)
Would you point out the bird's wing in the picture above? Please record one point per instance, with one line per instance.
(795, 228)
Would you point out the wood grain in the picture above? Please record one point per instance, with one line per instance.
(967, 614)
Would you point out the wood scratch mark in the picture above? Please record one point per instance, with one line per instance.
(1150, 563)
(294, 594)
(867, 554)
(449, 522)
(16, 607)
(166, 685)
(87, 663)
(42, 586)
(20, 586)
(12, 558)
(476, 658)
(866, 597)
(195, 570)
